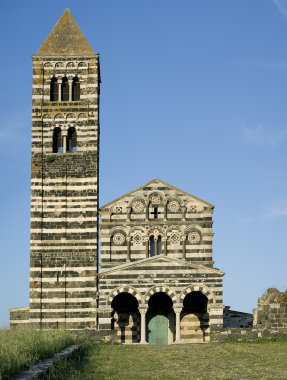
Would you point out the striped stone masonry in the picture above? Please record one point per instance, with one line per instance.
(156, 247)
(64, 180)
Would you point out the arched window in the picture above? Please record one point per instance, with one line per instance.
(76, 89)
(72, 140)
(57, 141)
(54, 94)
(65, 89)
(151, 246)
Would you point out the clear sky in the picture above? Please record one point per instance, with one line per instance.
(193, 92)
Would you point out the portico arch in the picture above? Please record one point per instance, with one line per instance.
(197, 288)
(124, 289)
(125, 318)
(164, 289)
(194, 317)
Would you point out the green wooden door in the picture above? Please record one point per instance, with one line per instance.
(157, 329)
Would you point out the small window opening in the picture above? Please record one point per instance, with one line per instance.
(54, 94)
(72, 140)
(76, 89)
(65, 89)
(151, 246)
(155, 212)
(57, 141)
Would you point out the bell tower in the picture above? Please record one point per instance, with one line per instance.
(64, 180)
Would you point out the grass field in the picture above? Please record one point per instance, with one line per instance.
(21, 348)
(206, 361)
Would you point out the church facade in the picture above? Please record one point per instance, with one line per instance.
(155, 281)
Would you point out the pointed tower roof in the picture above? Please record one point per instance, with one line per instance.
(66, 38)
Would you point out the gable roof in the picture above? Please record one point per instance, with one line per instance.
(160, 258)
(66, 38)
(155, 180)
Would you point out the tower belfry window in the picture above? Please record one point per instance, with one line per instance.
(54, 90)
(57, 141)
(72, 140)
(76, 89)
(65, 89)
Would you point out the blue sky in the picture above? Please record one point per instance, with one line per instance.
(193, 92)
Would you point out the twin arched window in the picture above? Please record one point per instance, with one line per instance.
(66, 93)
(62, 144)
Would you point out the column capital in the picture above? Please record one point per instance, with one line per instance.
(177, 310)
(142, 310)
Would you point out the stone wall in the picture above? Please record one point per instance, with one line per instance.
(271, 312)
(232, 318)
(19, 317)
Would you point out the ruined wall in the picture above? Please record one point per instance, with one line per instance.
(232, 318)
(19, 317)
(271, 312)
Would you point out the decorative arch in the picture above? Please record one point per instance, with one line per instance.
(82, 65)
(197, 288)
(123, 289)
(193, 227)
(118, 229)
(70, 65)
(160, 288)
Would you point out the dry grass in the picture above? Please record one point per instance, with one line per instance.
(210, 361)
(21, 348)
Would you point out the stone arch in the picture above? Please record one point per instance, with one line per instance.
(81, 117)
(46, 118)
(59, 118)
(70, 117)
(123, 289)
(193, 227)
(174, 199)
(137, 198)
(59, 65)
(48, 65)
(118, 229)
(160, 288)
(82, 65)
(197, 288)
(70, 65)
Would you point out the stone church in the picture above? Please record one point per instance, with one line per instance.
(155, 280)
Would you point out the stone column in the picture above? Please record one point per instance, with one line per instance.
(184, 247)
(146, 247)
(164, 240)
(143, 325)
(177, 311)
(64, 143)
(128, 249)
(70, 89)
(59, 90)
